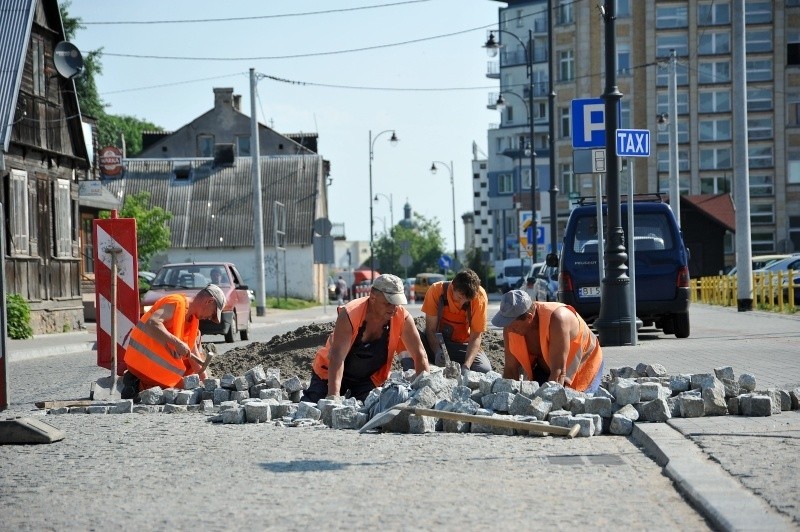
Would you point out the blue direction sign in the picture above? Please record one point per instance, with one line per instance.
(633, 142)
(588, 123)
(445, 261)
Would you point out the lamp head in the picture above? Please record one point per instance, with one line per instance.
(433, 168)
(491, 45)
(500, 104)
(394, 140)
(662, 121)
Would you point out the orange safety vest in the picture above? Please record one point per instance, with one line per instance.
(356, 311)
(153, 362)
(584, 358)
(462, 322)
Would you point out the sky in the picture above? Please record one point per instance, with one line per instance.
(433, 92)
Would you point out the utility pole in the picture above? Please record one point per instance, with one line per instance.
(551, 98)
(674, 182)
(258, 208)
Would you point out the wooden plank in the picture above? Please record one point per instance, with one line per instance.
(60, 404)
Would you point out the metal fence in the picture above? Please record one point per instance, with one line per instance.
(771, 290)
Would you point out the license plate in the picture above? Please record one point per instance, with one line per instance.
(589, 291)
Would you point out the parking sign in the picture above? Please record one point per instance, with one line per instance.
(588, 123)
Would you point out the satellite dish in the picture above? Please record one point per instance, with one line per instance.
(68, 60)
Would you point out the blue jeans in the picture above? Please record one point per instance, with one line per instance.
(595, 385)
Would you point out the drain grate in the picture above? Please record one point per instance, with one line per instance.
(580, 460)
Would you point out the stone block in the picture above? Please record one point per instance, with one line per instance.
(170, 394)
(680, 383)
(346, 417)
(627, 392)
(641, 369)
(786, 400)
(234, 416)
(732, 388)
(795, 395)
(124, 406)
(691, 405)
(191, 382)
(287, 409)
(733, 406)
(221, 395)
(271, 393)
(228, 381)
(471, 379)
(421, 424)
(528, 388)
(753, 405)
(273, 381)
(295, 396)
(194, 408)
(210, 384)
(625, 372)
(674, 407)
(58, 411)
(152, 396)
(452, 425)
(97, 409)
(326, 407)
(586, 423)
(505, 385)
(655, 411)
(620, 425)
(77, 410)
(207, 406)
(206, 395)
(747, 382)
(502, 401)
(774, 395)
(724, 373)
(424, 397)
(598, 405)
(240, 395)
(479, 428)
(227, 405)
(460, 393)
(629, 412)
(183, 397)
(257, 412)
(577, 405)
(553, 392)
(655, 370)
(521, 405)
(487, 401)
(597, 422)
(307, 411)
(240, 384)
(603, 392)
(486, 382)
(147, 409)
(292, 384)
(257, 375)
(703, 380)
(172, 408)
(255, 390)
(502, 431)
(541, 408)
(714, 401)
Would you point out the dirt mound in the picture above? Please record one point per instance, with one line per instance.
(293, 352)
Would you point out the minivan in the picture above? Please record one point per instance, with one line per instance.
(423, 282)
(662, 264)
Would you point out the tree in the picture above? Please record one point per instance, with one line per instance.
(152, 233)
(476, 264)
(109, 127)
(426, 245)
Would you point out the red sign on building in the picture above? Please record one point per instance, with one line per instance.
(110, 161)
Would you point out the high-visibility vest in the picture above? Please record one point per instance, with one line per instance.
(154, 362)
(356, 311)
(585, 356)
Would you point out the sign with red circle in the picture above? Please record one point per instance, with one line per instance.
(111, 161)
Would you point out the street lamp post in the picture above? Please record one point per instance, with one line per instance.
(391, 227)
(491, 48)
(393, 141)
(453, 187)
(551, 99)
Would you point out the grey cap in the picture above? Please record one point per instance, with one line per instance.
(219, 296)
(514, 304)
(391, 287)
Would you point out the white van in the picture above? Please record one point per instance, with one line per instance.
(508, 273)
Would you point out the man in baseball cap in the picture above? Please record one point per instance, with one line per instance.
(550, 337)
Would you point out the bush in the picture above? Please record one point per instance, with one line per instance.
(19, 317)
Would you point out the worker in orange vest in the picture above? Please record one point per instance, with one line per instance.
(160, 346)
(552, 336)
(369, 332)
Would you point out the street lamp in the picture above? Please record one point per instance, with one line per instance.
(393, 141)
(391, 227)
(453, 187)
(492, 47)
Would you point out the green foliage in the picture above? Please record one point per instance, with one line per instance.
(290, 303)
(19, 317)
(152, 232)
(475, 263)
(109, 127)
(426, 245)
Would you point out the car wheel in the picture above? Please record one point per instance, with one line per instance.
(232, 331)
(244, 334)
(668, 325)
(681, 322)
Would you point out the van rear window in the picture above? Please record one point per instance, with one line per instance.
(652, 232)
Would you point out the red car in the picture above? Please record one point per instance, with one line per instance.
(191, 277)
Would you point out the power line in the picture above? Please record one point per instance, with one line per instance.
(186, 82)
(236, 19)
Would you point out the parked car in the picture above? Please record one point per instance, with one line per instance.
(423, 282)
(791, 262)
(545, 286)
(529, 279)
(761, 261)
(145, 278)
(662, 264)
(190, 278)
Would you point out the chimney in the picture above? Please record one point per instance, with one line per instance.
(223, 97)
(237, 102)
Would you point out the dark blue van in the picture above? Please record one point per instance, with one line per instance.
(662, 264)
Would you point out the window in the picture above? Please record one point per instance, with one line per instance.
(682, 98)
(714, 158)
(624, 60)
(793, 175)
(757, 12)
(566, 65)
(672, 41)
(662, 137)
(794, 231)
(681, 75)
(565, 12)
(63, 218)
(520, 18)
(762, 241)
(18, 212)
(714, 72)
(759, 128)
(759, 100)
(526, 179)
(793, 109)
(793, 48)
(663, 160)
(715, 101)
(762, 213)
(623, 8)
(569, 182)
(39, 80)
(759, 70)
(759, 157)
(758, 41)
(243, 146)
(761, 185)
(672, 16)
(509, 113)
(205, 145)
(714, 42)
(715, 129)
(566, 121)
(505, 184)
(715, 185)
(625, 114)
(713, 14)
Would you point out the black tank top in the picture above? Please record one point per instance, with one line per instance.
(365, 358)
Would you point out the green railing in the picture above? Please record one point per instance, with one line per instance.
(773, 291)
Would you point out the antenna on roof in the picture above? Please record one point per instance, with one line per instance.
(68, 60)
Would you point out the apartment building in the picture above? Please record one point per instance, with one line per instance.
(647, 31)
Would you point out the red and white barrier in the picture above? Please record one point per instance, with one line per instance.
(362, 291)
(115, 240)
(412, 296)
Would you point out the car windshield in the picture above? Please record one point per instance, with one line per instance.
(191, 276)
(651, 233)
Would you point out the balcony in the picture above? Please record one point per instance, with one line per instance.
(493, 70)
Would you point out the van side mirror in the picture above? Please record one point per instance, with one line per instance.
(551, 260)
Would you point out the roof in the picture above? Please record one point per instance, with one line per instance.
(213, 207)
(718, 207)
(16, 19)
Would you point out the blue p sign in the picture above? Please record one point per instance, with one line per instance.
(588, 123)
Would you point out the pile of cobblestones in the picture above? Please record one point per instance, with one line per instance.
(627, 395)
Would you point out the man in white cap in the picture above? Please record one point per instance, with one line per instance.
(549, 335)
(369, 333)
(165, 344)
